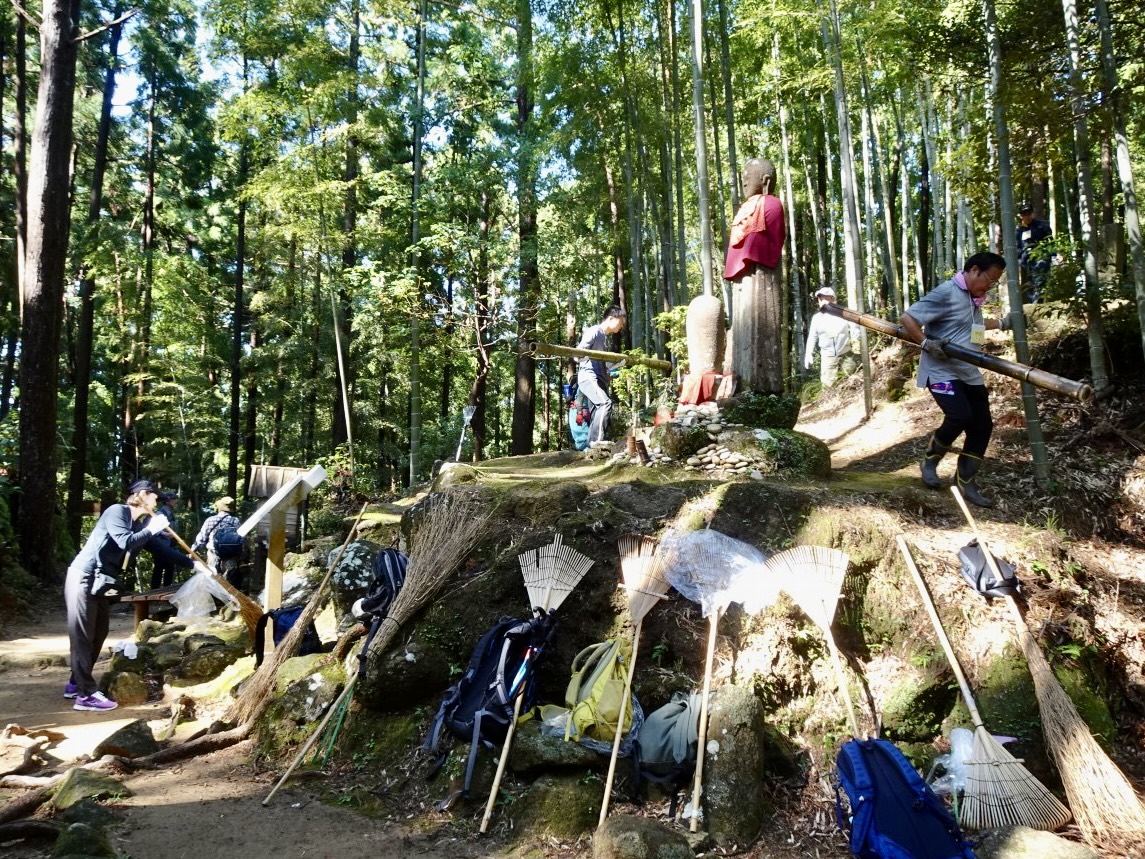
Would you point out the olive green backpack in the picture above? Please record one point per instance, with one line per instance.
(599, 677)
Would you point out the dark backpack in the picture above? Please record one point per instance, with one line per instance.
(893, 813)
(228, 543)
(977, 572)
(283, 621)
(666, 746)
(479, 707)
(389, 576)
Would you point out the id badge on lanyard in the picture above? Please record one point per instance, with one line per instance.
(977, 333)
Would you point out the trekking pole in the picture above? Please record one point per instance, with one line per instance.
(313, 738)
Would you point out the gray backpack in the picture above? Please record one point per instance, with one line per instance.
(666, 745)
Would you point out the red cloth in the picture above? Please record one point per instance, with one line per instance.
(762, 247)
(700, 389)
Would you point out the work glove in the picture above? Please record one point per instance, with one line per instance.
(200, 567)
(157, 523)
(933, 347)
(1005, 323)
(807, 364)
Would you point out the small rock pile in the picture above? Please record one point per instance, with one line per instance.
(716, 457)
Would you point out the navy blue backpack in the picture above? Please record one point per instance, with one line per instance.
(893, 813)
(479, 707)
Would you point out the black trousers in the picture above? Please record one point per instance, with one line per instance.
(967, 410)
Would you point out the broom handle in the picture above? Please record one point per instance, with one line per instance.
(312, 739)
(242, 599)
(947, 648)
(702, 738)
(1026, 639)
(620, 726)
(501, 764)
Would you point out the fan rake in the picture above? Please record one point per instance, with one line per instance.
(1107, 809)
(550, 573)
(643, 570)
(999, 790)
(813, 578)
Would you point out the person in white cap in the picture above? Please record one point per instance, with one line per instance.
(832, 334)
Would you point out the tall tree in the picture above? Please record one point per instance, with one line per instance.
(49, 221)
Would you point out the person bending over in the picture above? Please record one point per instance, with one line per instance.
(93, 578)
(951, 313)
(592, 375)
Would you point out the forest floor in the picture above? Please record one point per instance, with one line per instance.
(210, 806)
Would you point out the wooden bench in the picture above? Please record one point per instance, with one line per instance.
(142, 601)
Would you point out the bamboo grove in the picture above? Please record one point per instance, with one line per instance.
(298, 231)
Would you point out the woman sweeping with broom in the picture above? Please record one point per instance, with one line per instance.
(93, 577)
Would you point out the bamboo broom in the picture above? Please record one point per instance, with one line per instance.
(642, 569)
(1107, 809)
(999, 790)
(255, 693)
(248, 608)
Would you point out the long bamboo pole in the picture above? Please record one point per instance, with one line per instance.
(552, 350)
(1041, 378)
(620, 726)
(702, 739)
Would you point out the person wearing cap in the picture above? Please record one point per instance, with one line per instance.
(93, 578)
(1029, 233)
(951, 313)
(223, 517)
(832, 335)
(163, 572)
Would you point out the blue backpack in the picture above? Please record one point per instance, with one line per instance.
(389, 576)
(282, 620)
(893, 813)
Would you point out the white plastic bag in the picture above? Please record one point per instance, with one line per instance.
(714, 570)
(197, 596)
(961, 749)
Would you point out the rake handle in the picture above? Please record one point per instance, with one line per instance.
(947, 648)
(702, 735)
(501, 765)
(619, 727)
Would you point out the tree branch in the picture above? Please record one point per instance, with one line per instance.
(83, 37)
(23, 13)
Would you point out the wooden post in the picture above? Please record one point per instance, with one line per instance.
(275, 558)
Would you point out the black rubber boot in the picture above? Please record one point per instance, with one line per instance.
(967, 469)
(934, 453)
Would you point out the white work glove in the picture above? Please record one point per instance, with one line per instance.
(933, 346)
(200, 567)
(157, 523)
(807, 364)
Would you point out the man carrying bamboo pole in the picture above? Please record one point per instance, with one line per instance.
(952, 313)
(593, 375)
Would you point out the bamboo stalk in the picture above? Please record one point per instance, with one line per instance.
(620, 726)
(1041, 378)
(554, 351)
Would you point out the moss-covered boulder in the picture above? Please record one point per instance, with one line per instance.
(678, 441)
(352, 578)
(763, 452)
(198, 640)
(534, 752)
(1021, 842)
(304, 687)
(754, 409)
(645, 501)
(80, 784)
(564, 807)
(409, 675)
(205, 663)
(626, 836)
(82, 840)
(90, 812)
(126, 688)
(733, 799)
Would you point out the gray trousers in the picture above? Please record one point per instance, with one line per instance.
(601, 406)
(87, 628)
